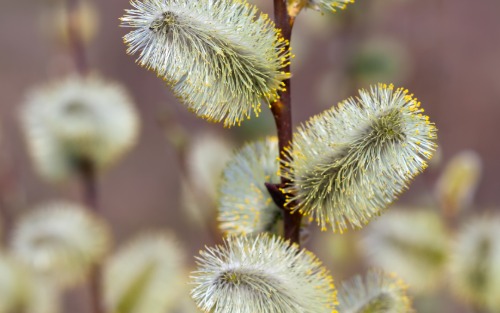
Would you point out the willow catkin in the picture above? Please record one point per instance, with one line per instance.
(245, 205)
(146, 275)
(349, 163)
(457, 185)
(475, 262)
(377, 292)
(413, 243)
(79, 118)
(222, 58)
(262, 274)
(329, 6)
(13, 284)
(61, 241)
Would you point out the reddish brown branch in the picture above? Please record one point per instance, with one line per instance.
(282, 113)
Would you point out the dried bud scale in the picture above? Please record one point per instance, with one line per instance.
(349, 163)
(261, 274)
(221, 58)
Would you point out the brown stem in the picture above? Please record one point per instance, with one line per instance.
(6, 220)
(8, 191)
(86, 167)
(90, 196)
(88, 177)
(282, 113)
(76, 44)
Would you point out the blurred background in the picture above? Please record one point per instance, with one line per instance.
(446, 52)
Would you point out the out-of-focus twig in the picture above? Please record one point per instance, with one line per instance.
(88, 178)
(86, 168)
(76, 43)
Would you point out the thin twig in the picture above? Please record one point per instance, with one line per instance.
(282, 112)
(8, 188)
(88, 177)
(5, 218)
(76, 43)
(86, 168)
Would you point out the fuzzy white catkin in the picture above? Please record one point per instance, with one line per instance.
(457, 185)
(413, 243)
(262, 274)
(60, 241)
(77, 119)
(377, 292)
(475, 262)
(146, 275)
(328, 5)
(206, 156)
(22, 290)
(245, 205)
(12, 284)
(222, 58)
(349, 163)
(44, 296)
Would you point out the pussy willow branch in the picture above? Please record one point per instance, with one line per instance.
(282, 112)
(86, 168)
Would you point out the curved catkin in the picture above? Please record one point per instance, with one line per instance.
(457, 185)
(61, 241)
(12, 284)
(329, 5)
(76, 119)
(349, 163)
(377, 292)
(245, 205)
(22, 290)
(222, 58)
(146, 275)
(475, 263)
(261, 274)
(418, 253)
